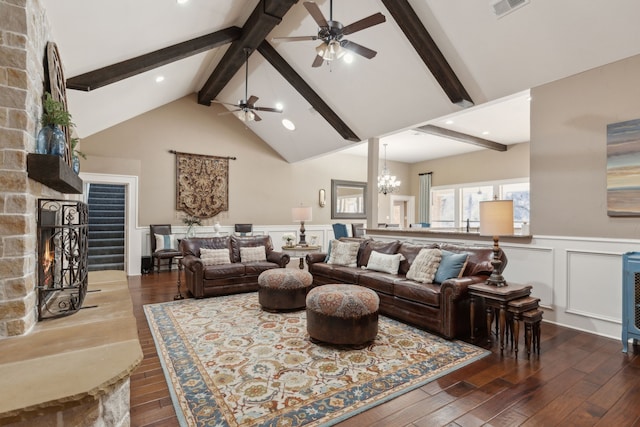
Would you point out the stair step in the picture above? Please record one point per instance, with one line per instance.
(105, 259)
(106, 212)
(105, 234)
(106, 227)
(100, 243)
(105, 250)
(112, 266)
(106, 220)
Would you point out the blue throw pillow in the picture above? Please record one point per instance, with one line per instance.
(451, 266)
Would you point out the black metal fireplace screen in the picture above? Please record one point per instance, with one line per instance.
(62, 257)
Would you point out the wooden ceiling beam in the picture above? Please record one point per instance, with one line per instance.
(131, 67)
(263, 19)
(462, 137)
(428, 50)
(298, 83)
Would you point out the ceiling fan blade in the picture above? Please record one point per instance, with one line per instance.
(256, 117)
(271, 110)
(294, 39)
(316, 14)
(359, 49)
(369, 21)
(229, 112)
(252, 100)
(318, 61)
(224, 103)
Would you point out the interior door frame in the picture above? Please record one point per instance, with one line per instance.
(133, 246)
(410, 211)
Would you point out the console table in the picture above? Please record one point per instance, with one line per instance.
(495, 298)
(300, 252)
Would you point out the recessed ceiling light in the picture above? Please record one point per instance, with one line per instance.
(182, 1)
(159, 79)
(279, 106)
(348, 58)
(486, 132)
(288, 124)
(449, 122)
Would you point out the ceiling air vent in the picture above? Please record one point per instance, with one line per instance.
(504, 7)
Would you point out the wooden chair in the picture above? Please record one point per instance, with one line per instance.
(166, 253)
(357, 230)
(340, 230)
(244, 229)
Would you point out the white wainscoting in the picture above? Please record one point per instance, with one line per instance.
(578, 280)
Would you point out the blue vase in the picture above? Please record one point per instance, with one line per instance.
(75, 164)
(51, 140)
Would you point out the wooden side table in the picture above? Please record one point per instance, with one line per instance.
(300, 252)
(495, 298)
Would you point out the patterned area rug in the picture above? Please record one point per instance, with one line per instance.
(230, 363)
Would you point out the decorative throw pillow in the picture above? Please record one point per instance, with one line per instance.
(424, 267)
(344, 253)
(165, 241)
(253, 254)
(384, 262)
(451, 265)
(326, 259)
(214, 256)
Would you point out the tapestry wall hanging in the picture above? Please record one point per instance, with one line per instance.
(202, 184)
(623, 168)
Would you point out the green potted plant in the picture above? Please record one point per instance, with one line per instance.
(51, 139)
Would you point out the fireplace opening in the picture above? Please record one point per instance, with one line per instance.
(62, 257)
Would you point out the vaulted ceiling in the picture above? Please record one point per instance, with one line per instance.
(113, 51)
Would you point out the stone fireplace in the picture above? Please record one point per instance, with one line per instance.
(99, 345)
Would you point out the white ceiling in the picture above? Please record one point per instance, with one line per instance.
(393, 92)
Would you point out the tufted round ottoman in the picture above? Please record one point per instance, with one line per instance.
(283, 289)
(342, 314)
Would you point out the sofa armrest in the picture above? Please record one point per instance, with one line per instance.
(460, 285)
(193, 275)
(279, 258)
(314, 257)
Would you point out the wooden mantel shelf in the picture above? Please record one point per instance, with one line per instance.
(53, 172)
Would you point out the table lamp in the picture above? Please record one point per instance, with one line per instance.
(496, 219)
(302, 214)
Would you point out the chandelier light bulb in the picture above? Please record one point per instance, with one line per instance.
(387, 183)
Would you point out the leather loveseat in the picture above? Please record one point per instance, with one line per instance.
(233, 275)
(442, 308)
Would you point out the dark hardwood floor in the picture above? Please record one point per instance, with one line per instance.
(579, 379)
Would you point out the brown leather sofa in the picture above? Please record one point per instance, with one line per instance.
(442, 308)
(213, 280)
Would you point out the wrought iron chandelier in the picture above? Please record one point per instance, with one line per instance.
(386, 182)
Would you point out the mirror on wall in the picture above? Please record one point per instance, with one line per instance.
(348, 199)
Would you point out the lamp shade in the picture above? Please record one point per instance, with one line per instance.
(302, 213)
(496, 218)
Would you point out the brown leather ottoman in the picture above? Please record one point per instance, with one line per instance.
(283, 289)
(342, 314)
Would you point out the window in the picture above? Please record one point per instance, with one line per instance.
(443, 210)
(451, 206)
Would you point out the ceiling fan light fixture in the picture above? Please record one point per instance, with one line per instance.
(246, 115)
(330, 51)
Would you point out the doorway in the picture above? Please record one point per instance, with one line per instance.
(402, 210)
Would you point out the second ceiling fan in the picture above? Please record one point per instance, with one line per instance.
(246, 108)
(332, 32)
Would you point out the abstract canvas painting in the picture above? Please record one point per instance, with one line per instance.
(623, 168)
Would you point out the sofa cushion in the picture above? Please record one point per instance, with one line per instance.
(417, 292)
(339, 273)
(384, 262)
(214, 256)
(255, 268)
(451, 266)
(369, 246)
(379, 282)
(253, 254)
(425, 265)
(344, 253)
(224, 271)
(193, 246)
(409, 251)
(479, 261)
(238, 242)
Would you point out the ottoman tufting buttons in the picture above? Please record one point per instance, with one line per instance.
(283, 289)
(342, 314)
